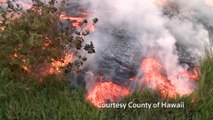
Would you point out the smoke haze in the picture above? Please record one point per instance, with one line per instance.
(171, 31)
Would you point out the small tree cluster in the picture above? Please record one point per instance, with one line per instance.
(29, 38)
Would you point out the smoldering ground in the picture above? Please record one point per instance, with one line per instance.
(175, 32)
(129, 31)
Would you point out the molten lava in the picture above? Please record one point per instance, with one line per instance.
(103, 92)
(57, 64)
(155, 77)
(75, 22)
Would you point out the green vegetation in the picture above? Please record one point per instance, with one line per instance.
(55, 100)
(23, 98)
(36, 37)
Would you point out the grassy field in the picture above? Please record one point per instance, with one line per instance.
(55, 100)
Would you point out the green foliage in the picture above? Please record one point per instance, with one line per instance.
(25, 33)
(55, 100)
(32, 37)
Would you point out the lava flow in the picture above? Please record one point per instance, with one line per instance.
(103, 92)
(155, 77)
(76, 21)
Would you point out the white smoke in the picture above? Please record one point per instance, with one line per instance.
(158, 33)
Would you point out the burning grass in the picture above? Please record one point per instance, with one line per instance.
(104, 91)
(154, 77)
(56, 100)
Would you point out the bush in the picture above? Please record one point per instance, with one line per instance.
(30, 40)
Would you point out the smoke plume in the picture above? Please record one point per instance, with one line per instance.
(171, 31)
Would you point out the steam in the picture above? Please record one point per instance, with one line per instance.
(158, 33)
(169, 30)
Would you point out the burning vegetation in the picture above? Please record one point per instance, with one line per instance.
(154, 77)
(40, 42)
(103, 92)
(42, 50)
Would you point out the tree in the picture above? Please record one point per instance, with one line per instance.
(35, 38)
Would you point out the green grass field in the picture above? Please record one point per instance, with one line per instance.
(55, 100)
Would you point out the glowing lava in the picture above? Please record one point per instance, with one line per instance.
(103, 92)
(155, 77)
(57, 64)
(75, 22)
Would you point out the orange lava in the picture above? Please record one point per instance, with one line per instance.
(76, 21)
(103, 92)
(155, 77)
(57, 64)
(192, 75)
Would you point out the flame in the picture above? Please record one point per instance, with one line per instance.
(155, 77)
(16, 55)
(46, 44)
(76, 21)
(24, 66)
(103, 92)
(57, 64)
(192, 75)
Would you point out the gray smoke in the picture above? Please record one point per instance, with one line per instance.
(175, 32)
(130, 30)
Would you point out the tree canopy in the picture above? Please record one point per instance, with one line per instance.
(35, 38)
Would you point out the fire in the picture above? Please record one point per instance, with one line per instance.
(76, 21)
(192, 75)
(103, 92)
(46, 44)
(16, 55)
(57, 64)
(155, 77)
(24, 66)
